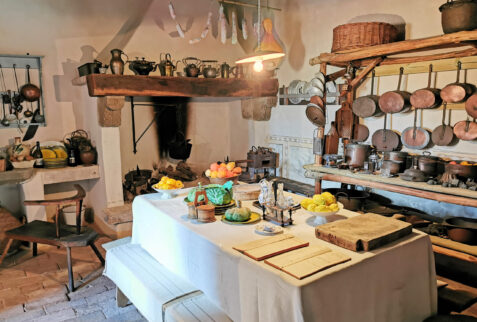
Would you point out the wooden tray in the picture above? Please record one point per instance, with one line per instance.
(271, 246)
(307, 261)
(364, 232)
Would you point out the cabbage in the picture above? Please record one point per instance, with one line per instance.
(217, 194)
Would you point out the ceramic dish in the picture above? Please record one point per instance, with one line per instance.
(315, 82)
(327, 213)
(171, 193)
(315, 91)
(321, 77)
(292, 89)
(254, 217)
(268, 229)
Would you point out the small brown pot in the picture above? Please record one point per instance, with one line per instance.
(462, 230)
(206, 213)
(88, 157)
(459, 15)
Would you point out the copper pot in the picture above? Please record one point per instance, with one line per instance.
(427, 97)
(428, 163)
(356, 154)
(462, 230)
(394, 167)
(395, 156)
(463, 171)
(366, 106)
(459, 15)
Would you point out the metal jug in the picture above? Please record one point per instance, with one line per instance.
(116, 63)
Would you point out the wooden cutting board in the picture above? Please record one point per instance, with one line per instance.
(364, 232)
(307, 261)
(272, 246)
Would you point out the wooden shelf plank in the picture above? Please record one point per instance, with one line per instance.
(456, 196)
(342, 58)
(136, 85)
(69, 174)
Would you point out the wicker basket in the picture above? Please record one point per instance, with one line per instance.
(362, 34)
(234, 179)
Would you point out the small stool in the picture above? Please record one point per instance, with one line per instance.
(52, 234)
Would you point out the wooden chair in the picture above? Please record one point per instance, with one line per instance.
(54, 234)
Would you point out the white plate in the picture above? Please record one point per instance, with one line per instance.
(171, 193)
(292, 89)
(274, 229)
(316, 91)
(317, 83)
(324, 214)
(320, 76)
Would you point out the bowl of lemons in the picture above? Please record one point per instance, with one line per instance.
(168, 187)
(324, 204)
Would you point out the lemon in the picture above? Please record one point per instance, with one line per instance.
(334, 207)
(319, 200)
(305, 202)
(311, 207)
(179, 184)
(329, 198)
(171, 182)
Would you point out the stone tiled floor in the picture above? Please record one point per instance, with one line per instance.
(34, 288)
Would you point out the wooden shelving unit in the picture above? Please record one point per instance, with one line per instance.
(456, 196)
(161, 86)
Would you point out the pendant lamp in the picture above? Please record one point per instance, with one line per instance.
(267, 48)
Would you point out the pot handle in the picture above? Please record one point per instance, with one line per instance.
(342, 193)
(426, 153)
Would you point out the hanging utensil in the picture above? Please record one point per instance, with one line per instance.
(345, 119)
(11, 115)
(17, 98)
(39, 117)
(426, 97)
(32, 128)
(396, 101)
(315, 111)
(443, 134)
(361, 132)
(332, 140)
(367, 106)
(456, 92)
(5, 121)
(29, 92)
(385, 140)
(415, 137)
(28, 112)
(466, 130)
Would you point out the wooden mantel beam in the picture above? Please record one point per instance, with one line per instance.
(463, 38)
(159, 86)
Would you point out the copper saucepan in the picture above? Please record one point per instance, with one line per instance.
(466, 130)
(426, 97)
(456, 92)
(396, 101)
(367, 106)
(471, 106)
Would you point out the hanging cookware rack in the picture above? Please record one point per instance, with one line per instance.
(9, 91)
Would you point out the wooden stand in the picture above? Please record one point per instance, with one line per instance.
(279, 218)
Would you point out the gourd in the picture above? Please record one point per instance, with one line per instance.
(238, 214)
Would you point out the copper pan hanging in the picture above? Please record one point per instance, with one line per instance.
(456, 92)
(367, 106)
(315, 111)
(428, 97)
(466, 130)
(385, 140)
(415, 137)
(471, 106)
(396, 101)
(443, 134)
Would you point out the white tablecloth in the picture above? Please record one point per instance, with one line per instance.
(393, 283)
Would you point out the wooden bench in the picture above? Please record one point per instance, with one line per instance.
(156, 292)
